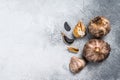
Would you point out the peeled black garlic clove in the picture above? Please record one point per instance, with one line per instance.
(72, 49)
(67, 27)
(79, 30)
(99, 26)
(66, 39)
(76, 64)
(96, 50)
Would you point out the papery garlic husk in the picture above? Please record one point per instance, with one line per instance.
(79, 30)
(66, 39)
(73, 49)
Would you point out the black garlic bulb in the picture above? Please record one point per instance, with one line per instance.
(96, 50)
(99, 26)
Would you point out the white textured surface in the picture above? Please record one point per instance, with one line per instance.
(31, 47)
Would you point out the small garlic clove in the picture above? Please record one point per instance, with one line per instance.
(66, 39)
(72, 49)
(67, 27)
(76, 64)
(79, 30)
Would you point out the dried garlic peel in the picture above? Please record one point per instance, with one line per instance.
(79, 30)
(73, 49)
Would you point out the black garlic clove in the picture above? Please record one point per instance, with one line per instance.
(66, 39)
(67, 27)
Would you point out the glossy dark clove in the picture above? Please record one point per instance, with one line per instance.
(66, 39)
(67, 27)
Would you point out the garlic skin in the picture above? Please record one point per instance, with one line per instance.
(76, 64)
(96, 50)
(99, 26)
(79, 30)
(73, 49)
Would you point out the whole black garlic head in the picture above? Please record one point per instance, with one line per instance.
(76, 64)
(79, 30)
(99, 26)
(96, 50)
